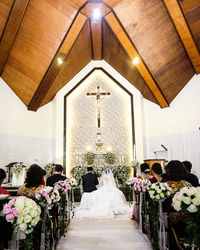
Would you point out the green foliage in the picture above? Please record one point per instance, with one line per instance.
(120, 172)
(193, 229)
(89, 157)
(154, 216)
(48, 168)
(110, 158)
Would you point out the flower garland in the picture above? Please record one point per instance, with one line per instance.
(119, 171)
(159, 191)
(17, 168)
(47, 196)
(73, 182)
(23, 213)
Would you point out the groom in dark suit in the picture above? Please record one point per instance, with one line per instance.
(89, 181)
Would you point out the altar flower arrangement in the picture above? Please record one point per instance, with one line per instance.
(187, 202)
(62, 186)
(89, 157)
(17, 168)
(110, 158)
(159, 190)
(139, 184)
(23, 213)
(49, 168)
(47, 196)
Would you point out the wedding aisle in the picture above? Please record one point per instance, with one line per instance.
(113, 234)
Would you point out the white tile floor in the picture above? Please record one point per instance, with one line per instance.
(116, 234)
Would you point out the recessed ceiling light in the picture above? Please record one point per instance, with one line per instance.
(96, 14)
(59, 60)
(136, 60)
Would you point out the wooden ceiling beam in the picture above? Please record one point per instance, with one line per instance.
(96, 34)
(10, 31)
(184, 32)
(124, 39)
(54, 67)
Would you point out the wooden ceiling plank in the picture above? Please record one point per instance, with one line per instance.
(96, 30)
(131, 51)
(54, 67)
(184, 32)
(14, 20)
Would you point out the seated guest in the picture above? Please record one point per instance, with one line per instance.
(177, 174)
(35, 179)
(191, 178)
(164, 175)
(144, 169)
(2, 177)
(57, 175)
(156, 171)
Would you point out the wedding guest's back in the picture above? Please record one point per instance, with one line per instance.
(144, 169)
(177, 174)
(157, 172)
(191, 178)
(35, 179)
(57, 175)
(2, 177)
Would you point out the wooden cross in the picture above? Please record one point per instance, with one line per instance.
(98, 95)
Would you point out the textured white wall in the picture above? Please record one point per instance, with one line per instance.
(176, 127)
(25, 135)
(137, 99)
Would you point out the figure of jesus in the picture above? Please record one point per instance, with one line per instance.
(98, 95)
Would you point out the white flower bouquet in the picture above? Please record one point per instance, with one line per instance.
(23, 213)
(73, 182)
(17, 168)
(139, 184)
(187, 200)
(47, 196)
(159, 190)
(62, 186)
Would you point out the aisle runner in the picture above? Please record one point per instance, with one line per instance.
(113, 234)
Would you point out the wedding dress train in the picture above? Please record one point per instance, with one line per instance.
(106, 202)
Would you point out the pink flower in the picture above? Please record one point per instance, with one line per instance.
(15, 211)
(11, 202)
(53, 196)
(177, 194)
(37, 196)
(57, 187)
(10, 217)
(46, 196)
(6, 209)
(54, 200)
(41, 191)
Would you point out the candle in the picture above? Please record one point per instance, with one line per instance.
(134, 156)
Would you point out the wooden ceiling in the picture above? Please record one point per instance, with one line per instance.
(43, 44)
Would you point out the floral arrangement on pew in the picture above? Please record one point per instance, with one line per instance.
(24, 214)
(61, 220)
(62, 186)
(159, 190)
(139, 184)
(47, 197)
(187, 201)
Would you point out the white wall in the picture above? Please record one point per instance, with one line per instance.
(25, 135)
(176, 127)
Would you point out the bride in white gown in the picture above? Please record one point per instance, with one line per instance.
(107, 201)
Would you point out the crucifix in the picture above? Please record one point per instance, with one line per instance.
(98, 95)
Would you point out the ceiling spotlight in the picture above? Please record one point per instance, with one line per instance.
(136, 60)
(59, 60)
(96, 14)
